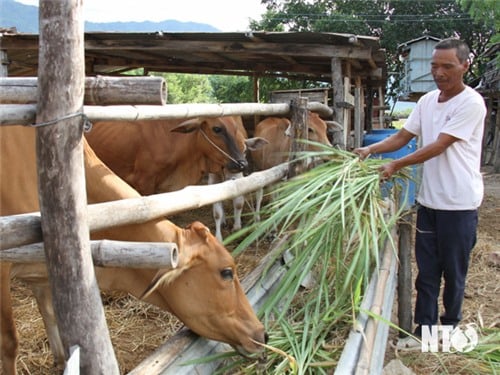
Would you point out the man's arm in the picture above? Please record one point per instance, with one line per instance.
(421, 155)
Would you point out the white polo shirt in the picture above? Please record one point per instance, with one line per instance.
(451, 180)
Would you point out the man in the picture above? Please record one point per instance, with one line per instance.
(450, 122)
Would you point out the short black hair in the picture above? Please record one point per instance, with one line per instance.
(463, 50)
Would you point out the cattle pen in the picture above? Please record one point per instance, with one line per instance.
(20, 230)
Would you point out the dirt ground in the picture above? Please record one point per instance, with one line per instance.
(136, 328)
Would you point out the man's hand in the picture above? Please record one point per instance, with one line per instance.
(363, 152)
(388, 169)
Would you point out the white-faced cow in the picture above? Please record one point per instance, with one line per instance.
(204, 292)
(238, 202)
(166, 155)
(277, 130)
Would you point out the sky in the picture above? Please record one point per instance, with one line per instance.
(225, 15)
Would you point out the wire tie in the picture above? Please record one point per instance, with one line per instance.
(87, 125)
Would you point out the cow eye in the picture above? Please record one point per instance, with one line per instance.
(217, 129)
(227, 274)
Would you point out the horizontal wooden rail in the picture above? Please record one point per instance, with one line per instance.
(99, 90)
(18, 230)
(24, 114)
(107, 253)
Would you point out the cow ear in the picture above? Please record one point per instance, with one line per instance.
(255, 143)
(163, 276)
(201, 229)
(188, 126)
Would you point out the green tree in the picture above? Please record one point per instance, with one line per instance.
(187, 88)
(393, 21)
(231, 89)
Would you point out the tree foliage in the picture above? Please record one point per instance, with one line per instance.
(393, 21)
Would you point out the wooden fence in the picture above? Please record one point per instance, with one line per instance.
(61, 60)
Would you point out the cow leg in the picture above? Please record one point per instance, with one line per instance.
(259, 194)
(43, 296)
(217, 208)
(238, 203)
(8, 335)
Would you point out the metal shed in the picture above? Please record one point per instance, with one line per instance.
(416, 57)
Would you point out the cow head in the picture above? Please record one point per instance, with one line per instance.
(317, 129)
(224, 141)
(204, 292)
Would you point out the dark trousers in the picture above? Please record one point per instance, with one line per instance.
(443, 243)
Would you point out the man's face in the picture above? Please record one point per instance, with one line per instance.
(447, 70)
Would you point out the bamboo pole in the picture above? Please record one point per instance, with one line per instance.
(384, 290)
(18, 230)
(365, 346)
(107, 253)
(24, 114)
(99, 90)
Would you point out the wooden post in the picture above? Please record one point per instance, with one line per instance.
(63, 204)
(358, 125)
(405, 313)
(298, 112)
(338, 95)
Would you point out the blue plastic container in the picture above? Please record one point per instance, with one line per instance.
(407, 198)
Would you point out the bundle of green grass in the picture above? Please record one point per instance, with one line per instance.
(335, 221)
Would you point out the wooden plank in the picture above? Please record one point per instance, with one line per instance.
(76, 296)
(99, 90)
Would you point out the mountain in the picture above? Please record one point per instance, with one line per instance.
(25, 19)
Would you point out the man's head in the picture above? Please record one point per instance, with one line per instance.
(450, 61)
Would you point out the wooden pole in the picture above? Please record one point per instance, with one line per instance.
(338, 96)
(98, 90)
(298, 113)
(63, 203)
(107, 253)
(18, 230)
(24, 114)
(405, 313)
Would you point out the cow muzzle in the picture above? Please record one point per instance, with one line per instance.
(235, 166)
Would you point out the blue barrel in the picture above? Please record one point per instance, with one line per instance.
(407, 198)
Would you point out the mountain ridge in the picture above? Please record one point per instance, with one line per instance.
(25, 19)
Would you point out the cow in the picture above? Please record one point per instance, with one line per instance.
(277, 131)
(225, 175)
(166, 155)
(204, 291)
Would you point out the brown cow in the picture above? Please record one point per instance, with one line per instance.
(203, 292)
(166, 155)
(276, 130)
